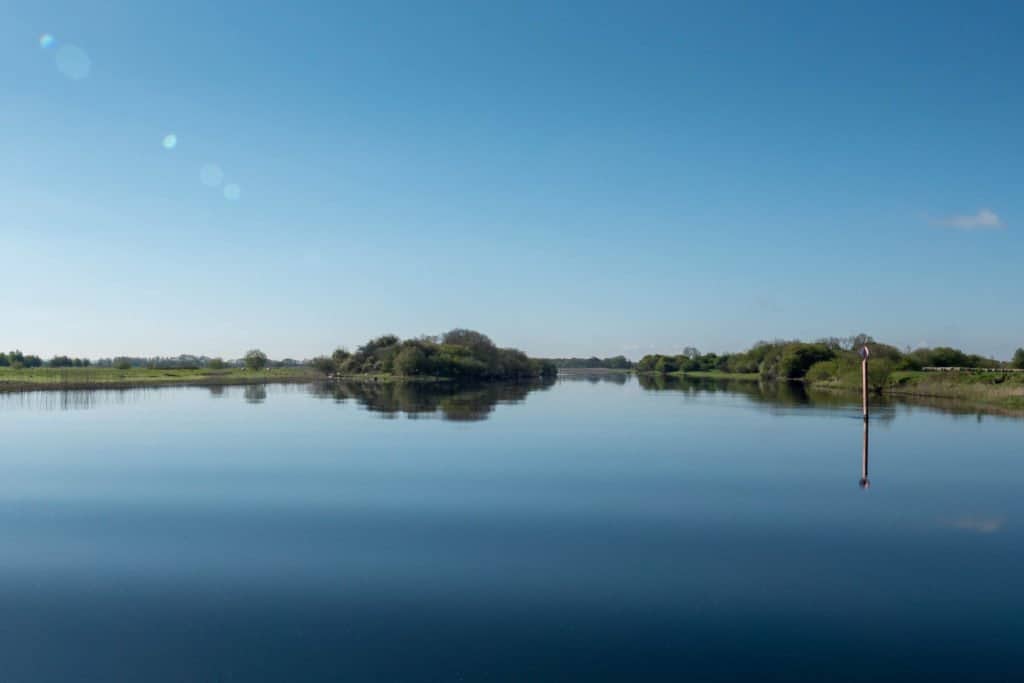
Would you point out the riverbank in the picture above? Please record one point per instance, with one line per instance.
(32, 379)
(28, 379)
(997, 389)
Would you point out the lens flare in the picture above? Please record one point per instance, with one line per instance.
(170, 141)
(211, 175)
(73, 62)
(232, 192)
(45, 40)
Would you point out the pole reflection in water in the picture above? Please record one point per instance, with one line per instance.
(864, 482)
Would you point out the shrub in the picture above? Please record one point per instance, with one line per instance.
(323, 364)
(255, 360)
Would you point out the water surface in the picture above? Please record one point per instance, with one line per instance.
(592, 529)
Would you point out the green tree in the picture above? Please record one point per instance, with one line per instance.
(339, 357)
(647, 363)
(255, 360)
(1018, 359)
(323, 364)
(216, 364)
(666, 364)
(411, 360)
(474, 341)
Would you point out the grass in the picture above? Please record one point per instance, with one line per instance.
(98, 378)
(984, 388)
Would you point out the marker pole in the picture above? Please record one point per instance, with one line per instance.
(864, 354)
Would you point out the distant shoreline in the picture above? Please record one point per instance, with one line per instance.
(93, 378)
(35, 379)
(995, 388)
(1001, 390)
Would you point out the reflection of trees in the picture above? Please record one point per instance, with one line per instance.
(216, 390)
(790, 394)
(777, 394)
(594, 376)
(255, 393)
(71, 399)
(453, 400)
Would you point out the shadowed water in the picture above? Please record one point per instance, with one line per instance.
(602, 528)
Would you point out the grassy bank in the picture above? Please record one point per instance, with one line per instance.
(1002, 390)
(99, 378)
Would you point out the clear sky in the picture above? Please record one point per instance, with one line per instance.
(570, 178)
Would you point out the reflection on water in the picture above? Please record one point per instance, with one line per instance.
(469, 402)
(70, 399)
(453, 401)
(604, 528)
(595, 377)
(255, 393)
(864, 481)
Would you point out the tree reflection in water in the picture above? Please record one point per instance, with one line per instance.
(449, 400)
(255, 393)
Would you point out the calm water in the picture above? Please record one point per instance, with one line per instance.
(582, 530)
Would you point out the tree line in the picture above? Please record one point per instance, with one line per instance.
(457, 354)
(831, 357)
(17, 359)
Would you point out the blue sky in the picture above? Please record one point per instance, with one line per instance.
(571, 178)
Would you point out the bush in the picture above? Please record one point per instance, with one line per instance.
(323, 364)
(666, 364)
(255, 360)
(793, 360)
(411, 360)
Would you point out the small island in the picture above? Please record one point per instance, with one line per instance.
(456, 355)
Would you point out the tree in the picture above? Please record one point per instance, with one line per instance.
(122, 363)
(323, 364)
(1018, 359)
(255, 360)
(475, 341)
(340, 356)
(411, 360)
(647, 363)
(216, 364)
(666, 364)
(859, 340)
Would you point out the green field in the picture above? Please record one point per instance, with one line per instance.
(93, 377)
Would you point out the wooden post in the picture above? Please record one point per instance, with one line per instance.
(864, 353)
